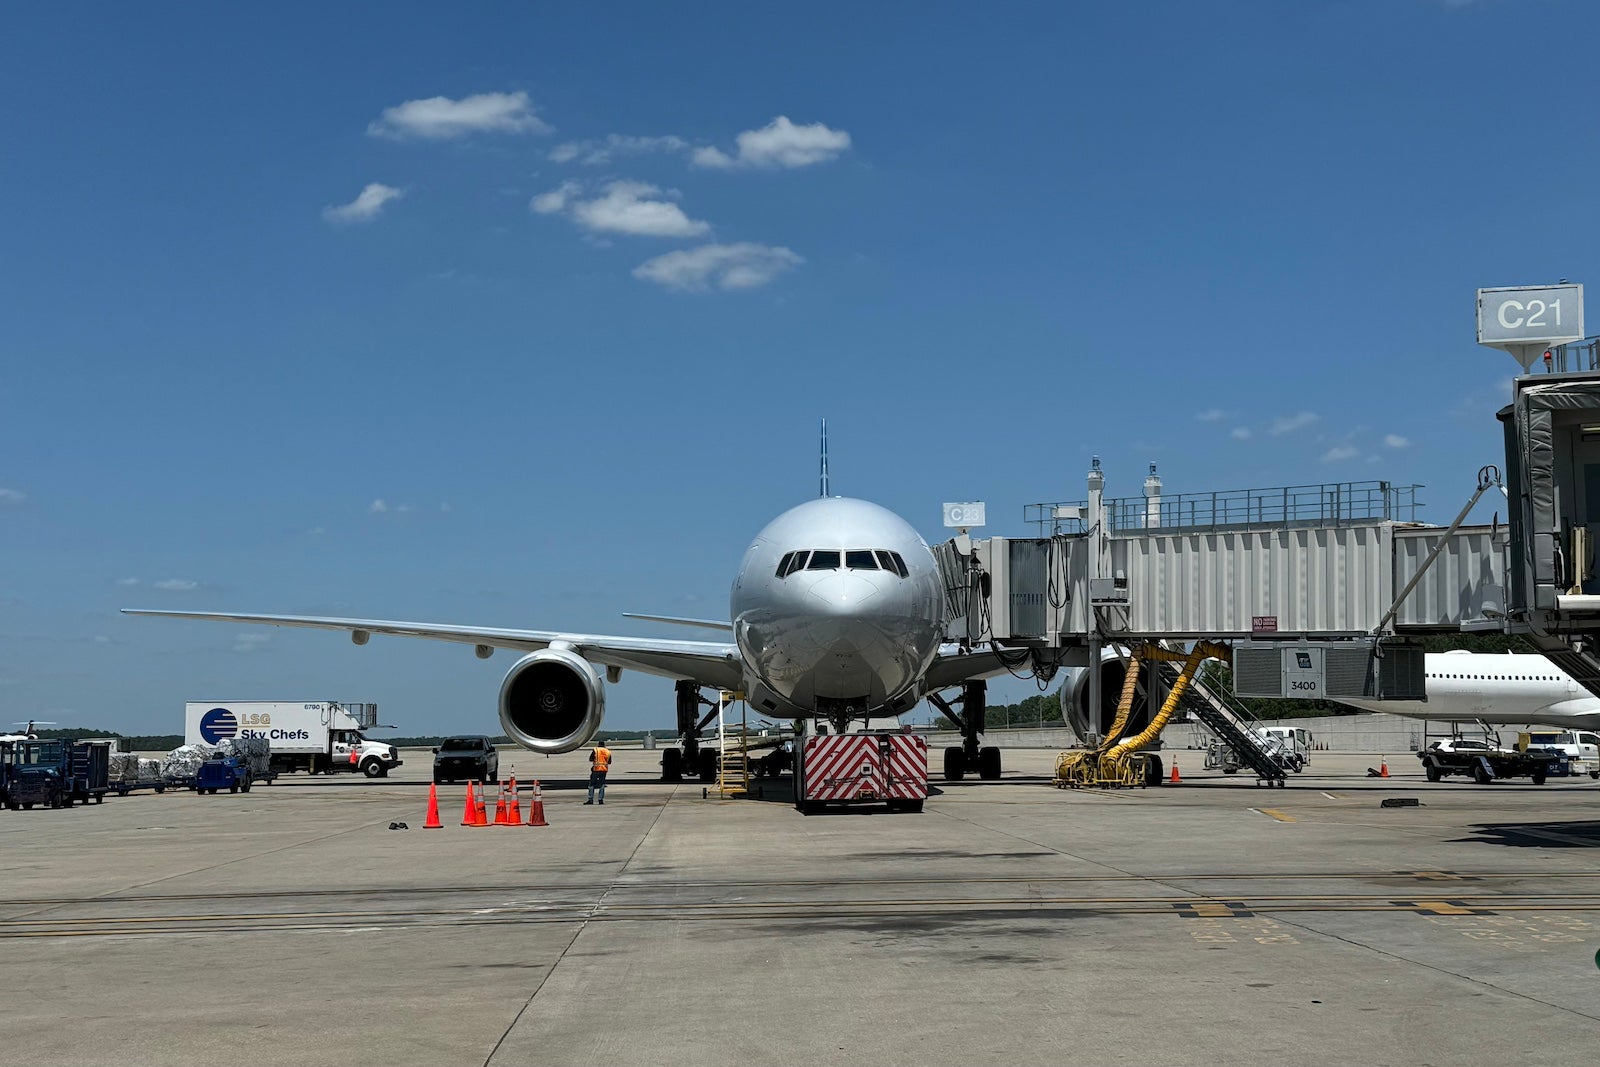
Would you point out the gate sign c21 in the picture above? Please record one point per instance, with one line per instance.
(1530, 315)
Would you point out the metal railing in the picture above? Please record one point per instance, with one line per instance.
(1328, 504)
(1578, 355)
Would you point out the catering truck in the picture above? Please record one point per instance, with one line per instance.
(309, 736)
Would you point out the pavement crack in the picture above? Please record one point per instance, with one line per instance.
(582, 926)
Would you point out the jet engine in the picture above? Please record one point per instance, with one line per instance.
(552, 701)
(1075, 698)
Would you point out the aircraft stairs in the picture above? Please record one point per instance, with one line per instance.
(1232, 724)
(1583, 667)
(733, 746)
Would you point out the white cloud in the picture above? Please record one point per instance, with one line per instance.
(316, 531)
(176, 585)
(1211, 415)
(438, 118)
(12, 496)
(1240, 433)
(127, 581)
(405, 509)
(1340, 453)
(734, 266)
(780, 143)
(600, 153)
(635, 208)
(1394, 440)
(250, 642)
(101, 639)
(377, 507)
(445, 508)
(556, 200)
(1290, 423)
(365, 207)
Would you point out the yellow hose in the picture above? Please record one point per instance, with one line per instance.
(1201, 651)
(1130, 689)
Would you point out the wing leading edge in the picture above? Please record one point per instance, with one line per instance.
(707, 662)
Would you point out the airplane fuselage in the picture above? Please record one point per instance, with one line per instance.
(1498, 690)
(837, 610)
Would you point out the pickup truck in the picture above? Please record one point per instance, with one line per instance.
(1484, 762)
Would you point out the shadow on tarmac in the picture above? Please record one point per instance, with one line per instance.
(1537, 834)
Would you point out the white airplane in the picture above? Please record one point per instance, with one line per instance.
(837, 613)
(1498, 690)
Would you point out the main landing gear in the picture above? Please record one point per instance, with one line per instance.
(692, 758)
(969, 758)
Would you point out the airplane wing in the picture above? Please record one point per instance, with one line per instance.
(707, 662)
(952, 666)
(704, 624)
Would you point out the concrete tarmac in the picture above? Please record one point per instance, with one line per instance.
(1207, 922)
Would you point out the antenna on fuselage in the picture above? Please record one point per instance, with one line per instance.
(824, 457)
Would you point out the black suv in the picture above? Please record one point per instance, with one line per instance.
(469, 759)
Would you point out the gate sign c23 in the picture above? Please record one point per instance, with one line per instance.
(1531, 315)
(964, 516)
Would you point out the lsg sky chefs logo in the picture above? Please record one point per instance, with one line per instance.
(220, 724)
(217, 725)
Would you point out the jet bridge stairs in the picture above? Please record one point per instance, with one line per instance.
(1230, 722)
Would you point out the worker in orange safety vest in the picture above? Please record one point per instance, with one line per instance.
(600, 763)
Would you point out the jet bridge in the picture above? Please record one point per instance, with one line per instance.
(1315, 590)
(1552, 433)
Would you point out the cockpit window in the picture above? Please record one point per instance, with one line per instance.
(823, 560)
(899, 565)
(794, 561)
(783, 564)
(860, 560)
(886, 561)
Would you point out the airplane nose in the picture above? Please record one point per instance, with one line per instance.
(841, 594)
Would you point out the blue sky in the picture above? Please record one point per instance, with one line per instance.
(566, 289)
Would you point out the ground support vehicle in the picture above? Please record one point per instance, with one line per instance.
(466, 759)
(878, 768)
(87, 769)
(123, 786)
(308, 736)
(222, 772)
(129, 772)
(1578, 751)
(36, 774)
(53, 773)
(1485, 763)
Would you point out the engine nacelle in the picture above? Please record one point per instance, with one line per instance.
(1075, 699)
(552, 701)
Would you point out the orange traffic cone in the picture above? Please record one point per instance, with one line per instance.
(1383, 768)
(1176, 777)
(500, 807)
(433, 822)
(536, 806)
(479, 816)
(469, 816)
(514, 805)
